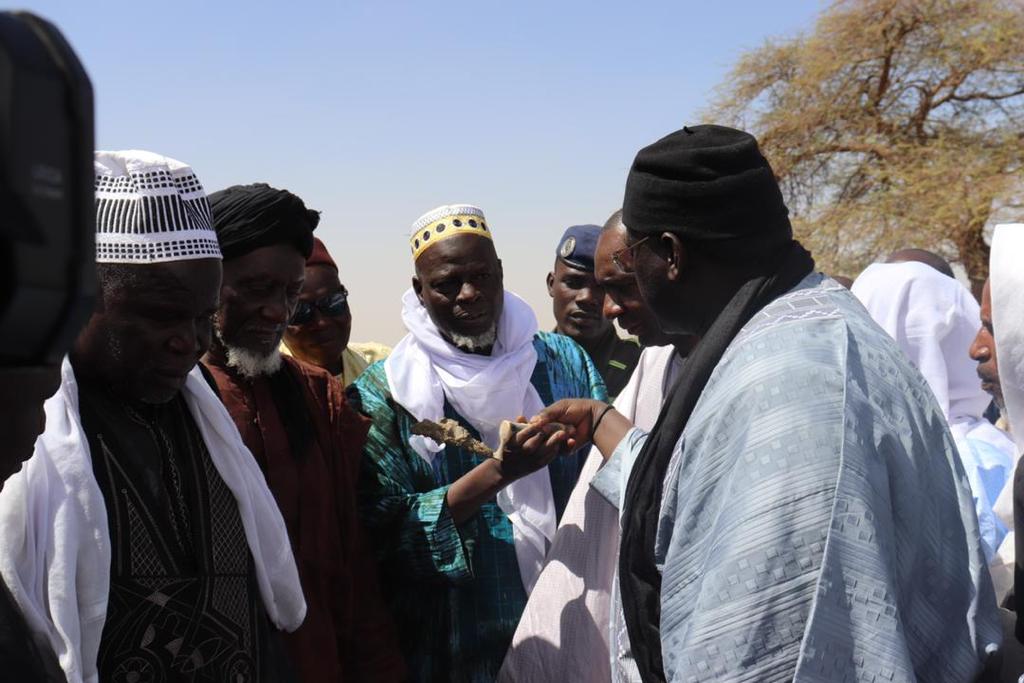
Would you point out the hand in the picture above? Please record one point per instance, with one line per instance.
(534, 447)
(579, 414)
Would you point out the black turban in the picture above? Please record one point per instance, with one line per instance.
(247, 217)
(710, 185)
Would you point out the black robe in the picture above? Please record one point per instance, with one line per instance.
(184, 604)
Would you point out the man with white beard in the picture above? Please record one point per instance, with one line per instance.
(307, 440)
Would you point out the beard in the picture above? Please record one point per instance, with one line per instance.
(250, 364)
(476, 342)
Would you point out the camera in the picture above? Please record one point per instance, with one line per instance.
(47, 208)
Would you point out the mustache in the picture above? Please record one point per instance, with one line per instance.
(986, 376)
(467, 315)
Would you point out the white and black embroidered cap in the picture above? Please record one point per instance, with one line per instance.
(150, 209)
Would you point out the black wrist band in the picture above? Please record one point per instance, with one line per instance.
(597, 422)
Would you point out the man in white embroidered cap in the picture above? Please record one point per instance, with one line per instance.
(461, 538)
(141, 538)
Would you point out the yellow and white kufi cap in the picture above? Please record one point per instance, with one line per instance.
(444, 222)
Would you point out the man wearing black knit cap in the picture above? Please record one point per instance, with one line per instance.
(294, 419)
(798, 511)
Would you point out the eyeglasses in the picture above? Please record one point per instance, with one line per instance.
(333, 306)
(619, 258)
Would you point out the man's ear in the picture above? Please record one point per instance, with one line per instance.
(417, 287)
(551, 285)
(675, 255)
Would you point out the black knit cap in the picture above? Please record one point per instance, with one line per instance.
(711, 185)
(247, 217)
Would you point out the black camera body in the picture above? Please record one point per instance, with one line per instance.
(47, 206)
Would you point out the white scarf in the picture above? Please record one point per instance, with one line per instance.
(1006, 284)
(53, 522)
(424, 369)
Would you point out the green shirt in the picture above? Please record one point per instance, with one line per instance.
(455, 591)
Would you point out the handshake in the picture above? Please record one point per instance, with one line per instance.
(528, 445)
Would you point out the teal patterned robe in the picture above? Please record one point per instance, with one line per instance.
(455, 591)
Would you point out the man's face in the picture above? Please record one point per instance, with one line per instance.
(324, 336)
(460, 282)
(673, 290)
(983, 350)
(152, 328)
(622, 295)
(258, 297)
(577, 301)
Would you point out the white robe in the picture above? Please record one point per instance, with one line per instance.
(563, 634)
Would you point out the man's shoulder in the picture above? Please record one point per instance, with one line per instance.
(321, 384)
(371, 392)
(818, 310)
(313, 374)
(626, 352)
(808, 327)
(816, 300)
(371, 351)
(555, 346)
(566, 368)
(818, 329)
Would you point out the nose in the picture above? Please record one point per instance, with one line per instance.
(468, 293)
(979, 350)
(590, 298)
(277, 311)
(193, 339)
(610, 309)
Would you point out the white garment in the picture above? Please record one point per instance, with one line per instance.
(934, 320)
(1006, 284)
(425, 369)
(563, 634)
(53, 521)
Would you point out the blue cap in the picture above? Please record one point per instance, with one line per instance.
(577, 246)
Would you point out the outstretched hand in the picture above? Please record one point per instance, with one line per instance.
(578, 415)
(534, 447)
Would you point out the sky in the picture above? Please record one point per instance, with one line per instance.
(376, 111)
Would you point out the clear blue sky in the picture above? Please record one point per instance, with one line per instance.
(376, 111)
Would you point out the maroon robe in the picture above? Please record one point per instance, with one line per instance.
(347, 634)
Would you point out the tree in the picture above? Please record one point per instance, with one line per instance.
(894, 123)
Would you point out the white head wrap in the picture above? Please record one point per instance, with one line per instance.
(150, 209)
(1006, 283)
(934, 319)
(1007, 290)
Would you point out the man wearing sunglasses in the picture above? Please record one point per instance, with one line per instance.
(304, 435)
(320, 328)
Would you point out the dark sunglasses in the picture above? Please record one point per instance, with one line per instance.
(333, 306)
